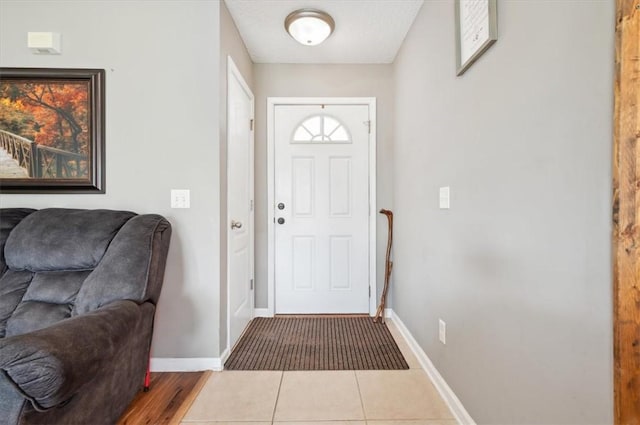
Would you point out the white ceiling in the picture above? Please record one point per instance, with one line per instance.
(367, 31)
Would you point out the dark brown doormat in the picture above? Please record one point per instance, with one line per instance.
(316, 343)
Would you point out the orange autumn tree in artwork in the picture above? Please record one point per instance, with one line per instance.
(51, 114)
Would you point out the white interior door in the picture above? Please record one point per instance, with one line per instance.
(321, 209)
(240, 226)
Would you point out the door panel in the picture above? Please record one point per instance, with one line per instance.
(322, 232)
(303, 186)
(340, 187)
(340, 262)
(303, 254)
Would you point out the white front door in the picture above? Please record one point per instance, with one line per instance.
(321, 209)
(239, 203)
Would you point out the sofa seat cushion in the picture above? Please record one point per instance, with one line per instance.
(62, 239)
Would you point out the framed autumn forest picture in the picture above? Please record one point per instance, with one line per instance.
(51, 130)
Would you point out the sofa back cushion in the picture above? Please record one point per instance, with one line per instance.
(57, 239)
(13, 286)
(49, 298)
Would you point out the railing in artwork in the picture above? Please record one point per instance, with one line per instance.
(43, 161)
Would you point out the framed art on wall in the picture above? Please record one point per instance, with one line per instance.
(476, 30)
(51, 130)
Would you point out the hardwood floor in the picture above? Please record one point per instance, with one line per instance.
(167, 401)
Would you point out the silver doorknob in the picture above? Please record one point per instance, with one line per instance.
(235, 224)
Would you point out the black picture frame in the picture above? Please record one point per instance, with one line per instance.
(78, 119)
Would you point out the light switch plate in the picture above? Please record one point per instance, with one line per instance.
(444, 198)
(442, 331)
(180, 198)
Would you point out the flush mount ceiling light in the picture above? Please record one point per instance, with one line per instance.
(309, 26)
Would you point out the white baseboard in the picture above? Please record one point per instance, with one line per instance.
(188, 364)
(447, 394)
(261, 312)
(223, 358)
(388, 313)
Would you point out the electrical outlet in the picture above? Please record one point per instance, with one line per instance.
(442, 331)
(180, 198)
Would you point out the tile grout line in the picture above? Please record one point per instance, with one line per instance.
(364, 412)
(275, 406)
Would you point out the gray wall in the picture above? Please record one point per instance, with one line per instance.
(283, 80)
(519, 267)
(231, 44)
(162, 113)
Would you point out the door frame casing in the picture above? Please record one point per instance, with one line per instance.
(234, 72)
(272, 102)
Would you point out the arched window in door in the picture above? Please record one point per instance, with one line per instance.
(321, 129)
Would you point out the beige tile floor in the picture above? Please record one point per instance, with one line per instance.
(368, 397)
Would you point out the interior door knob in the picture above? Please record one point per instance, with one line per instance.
(281, 220)
(235, 224)
(280, 206)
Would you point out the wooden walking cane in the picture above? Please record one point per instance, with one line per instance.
(387, 268)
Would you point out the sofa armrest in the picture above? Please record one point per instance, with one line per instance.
(48, 366)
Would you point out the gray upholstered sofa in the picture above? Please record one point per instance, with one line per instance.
(78, 290)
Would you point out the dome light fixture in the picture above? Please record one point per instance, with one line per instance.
(309, 26)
